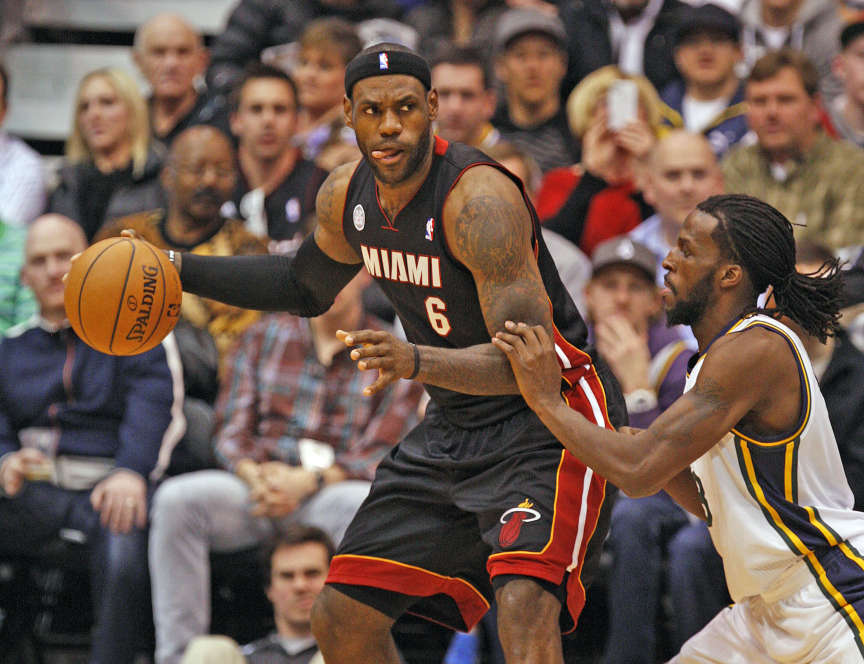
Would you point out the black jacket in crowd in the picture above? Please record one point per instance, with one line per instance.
(590, 47)
(258, 24)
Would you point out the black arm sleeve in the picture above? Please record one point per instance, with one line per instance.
(304, 286)
(569, 221)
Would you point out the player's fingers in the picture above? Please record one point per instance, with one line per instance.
(514, 340)
(360, 337)
(32, 454)
(369, 350)
(498, 342)
(141, 514)
(383, 380)
(528, 336)
(128, 232)
(125, 515)
(383, 363)
(518, 329)
(97, 497)
(543, 337)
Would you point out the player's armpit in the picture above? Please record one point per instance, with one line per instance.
(684, 491)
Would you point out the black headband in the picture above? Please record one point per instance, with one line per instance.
(387, 63)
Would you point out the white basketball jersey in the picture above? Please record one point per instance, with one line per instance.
(771, 503)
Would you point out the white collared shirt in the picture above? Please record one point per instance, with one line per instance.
(22, 183)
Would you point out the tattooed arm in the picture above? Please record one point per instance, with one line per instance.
(747, 375)
(488, 229)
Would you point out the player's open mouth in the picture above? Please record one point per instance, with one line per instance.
(387, 156)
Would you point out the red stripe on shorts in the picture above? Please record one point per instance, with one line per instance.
(579, 495)
(399, 577)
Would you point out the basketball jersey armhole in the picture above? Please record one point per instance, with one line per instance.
(804, 387)
(498, 167)
(345, 197)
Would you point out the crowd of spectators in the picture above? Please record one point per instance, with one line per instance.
(618, 116)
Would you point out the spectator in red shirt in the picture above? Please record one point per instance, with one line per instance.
(600, 197)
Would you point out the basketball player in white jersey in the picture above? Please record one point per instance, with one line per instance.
(748, 447)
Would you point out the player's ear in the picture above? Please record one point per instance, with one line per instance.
(346, 111)
(731, 275)
(432, 103)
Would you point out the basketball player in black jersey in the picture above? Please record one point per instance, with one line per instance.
(479, 501)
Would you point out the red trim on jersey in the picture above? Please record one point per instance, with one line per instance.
(345, 198)
(441, 145)
(570, 493)
(410, 580)
(389, 225)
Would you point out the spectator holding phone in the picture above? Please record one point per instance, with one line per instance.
(618, 117)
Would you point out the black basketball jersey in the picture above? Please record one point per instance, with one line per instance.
(432, 292)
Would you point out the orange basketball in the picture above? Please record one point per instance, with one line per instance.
(123, 296)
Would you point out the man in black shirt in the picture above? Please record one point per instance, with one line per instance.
(170, 54)
(532, 62)
(276, 187)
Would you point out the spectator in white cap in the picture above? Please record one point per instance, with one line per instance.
(531, 64)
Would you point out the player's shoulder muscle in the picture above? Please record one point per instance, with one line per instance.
(486, 216)
(330, 202)
(750, 362)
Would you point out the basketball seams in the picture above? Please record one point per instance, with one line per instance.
(122, 291)
(138, 321)
(84, 282)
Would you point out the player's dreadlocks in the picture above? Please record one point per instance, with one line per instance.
(760, 239)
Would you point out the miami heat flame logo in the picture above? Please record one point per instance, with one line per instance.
(513, 520)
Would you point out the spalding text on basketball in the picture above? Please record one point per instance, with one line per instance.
(139, 328)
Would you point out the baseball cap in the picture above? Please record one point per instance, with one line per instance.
(851, 32)
(706, 17)
(622, 250)
(517, 22)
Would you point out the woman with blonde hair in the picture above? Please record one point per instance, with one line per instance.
(600, 197)
(327, 45)
(111, 167)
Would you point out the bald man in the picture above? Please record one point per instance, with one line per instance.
(80, 437)
(170, 54)
(683, 172)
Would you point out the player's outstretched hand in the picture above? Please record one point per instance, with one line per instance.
(392, 357)
(535, 365)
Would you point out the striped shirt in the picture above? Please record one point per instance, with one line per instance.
(16, 301)
(822, 194)
(275, 393)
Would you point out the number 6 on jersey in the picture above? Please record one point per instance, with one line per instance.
(435, 308)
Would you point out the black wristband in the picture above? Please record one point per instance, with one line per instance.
(416, 362)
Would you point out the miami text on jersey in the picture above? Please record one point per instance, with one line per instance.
(402, 266)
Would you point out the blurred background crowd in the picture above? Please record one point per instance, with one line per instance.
(183, 505)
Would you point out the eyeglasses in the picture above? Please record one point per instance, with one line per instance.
(200, 170)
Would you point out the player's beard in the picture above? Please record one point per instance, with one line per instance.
(691, 310)
(412, 163)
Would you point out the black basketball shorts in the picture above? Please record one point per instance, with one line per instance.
(450, 509)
